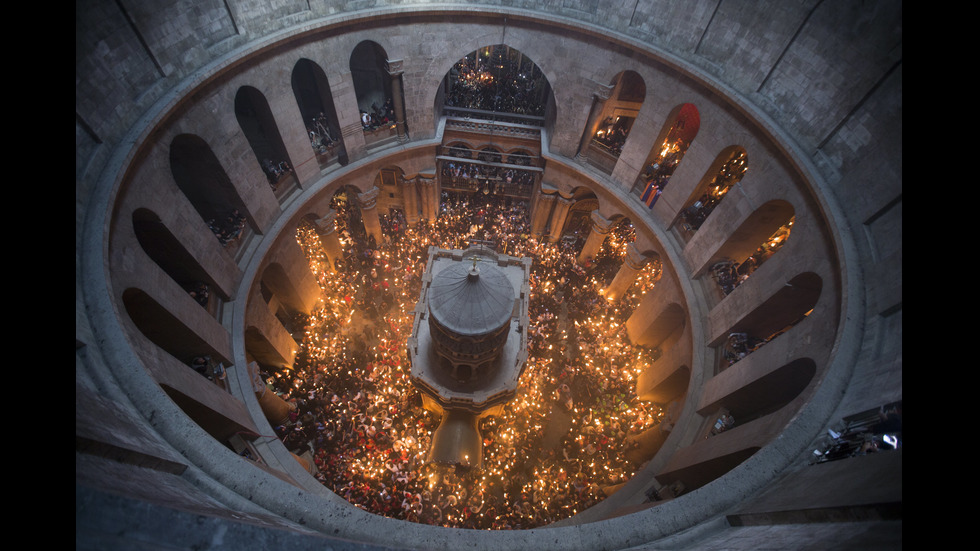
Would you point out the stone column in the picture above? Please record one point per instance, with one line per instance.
(632, 264)
(558, 218)
(600, 229)
(541, 209)
(368, 204)
(430, 199)
(326, 228)
(601, 93)
(410, 198)
(397, 97)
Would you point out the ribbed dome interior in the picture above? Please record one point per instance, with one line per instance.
(470, 304)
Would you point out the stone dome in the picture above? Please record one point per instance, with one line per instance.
(471, 300)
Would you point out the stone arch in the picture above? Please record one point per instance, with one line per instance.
(275, 280)
(164, 329)
(611, 117)
(204, 182)
(679, 130)
(378, 92)
(163, 247)
(522, 92)
(519, 156)
(578, 218)
(767, 393)
(670, 386)
(724, 173)
(665, 329)
(460, 149)
(695, 476)
(311, 89)
(368, 67)
(490, 154)
(257, 122)
(261, 350)
(755, 240)
(778, 314)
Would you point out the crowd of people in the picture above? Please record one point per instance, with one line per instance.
(873, 431)
(500, 85)
(321, 139)
(462, 175)
(657, 174)
(729, 274)
(559, 444)
(228, 228)
(740, 345)
(612, 133)
(200, 292)
(380, 116)
(207, 368)
(729, 174)
(274, 171)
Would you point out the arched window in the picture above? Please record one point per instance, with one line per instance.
(497, 83)
(315, 102)
(760, 397)
(578, 221)
(725, 172)
(752, 243)
(781, 312)
(489, 154)
(611, 119)
(264, 352)
(204, 182)
(259, 126)
(375, 87)
(679, 131)
(187, 368)
(161, 245)
(460, 150)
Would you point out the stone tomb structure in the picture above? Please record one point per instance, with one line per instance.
(468, 345)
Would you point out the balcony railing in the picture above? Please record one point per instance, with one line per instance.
(495, 116)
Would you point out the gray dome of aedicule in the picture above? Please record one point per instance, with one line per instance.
(471, 298)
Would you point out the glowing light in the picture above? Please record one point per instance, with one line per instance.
(379, 437)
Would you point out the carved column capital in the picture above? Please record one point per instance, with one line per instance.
(602, 92)
(600, 223)
(369, 199)
(327, 224)
(394, 67)
(634, 258)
